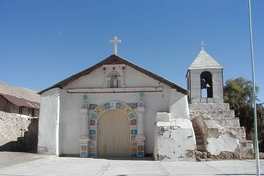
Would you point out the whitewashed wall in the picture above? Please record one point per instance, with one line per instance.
(71, 103)
(174, 137)
(48, 122)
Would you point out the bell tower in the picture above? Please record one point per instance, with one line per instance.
(205, 80)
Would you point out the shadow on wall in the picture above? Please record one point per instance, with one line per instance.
(28, 143)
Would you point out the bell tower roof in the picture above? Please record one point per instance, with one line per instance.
(204, 61)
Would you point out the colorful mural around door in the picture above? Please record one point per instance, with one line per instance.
(98, 110)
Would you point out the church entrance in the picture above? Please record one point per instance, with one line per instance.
(113, 134)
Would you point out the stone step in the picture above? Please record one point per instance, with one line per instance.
(200, 147)
(199, 141)
(232, 122)
(209, 106)
(212, 114)
(198, 136)
(197, 132)
(238, 132)
(195, 127)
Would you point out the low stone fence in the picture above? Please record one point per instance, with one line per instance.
(18, 133)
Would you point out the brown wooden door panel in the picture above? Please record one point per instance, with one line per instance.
(113, 135)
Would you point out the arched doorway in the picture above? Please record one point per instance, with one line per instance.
(113, 134)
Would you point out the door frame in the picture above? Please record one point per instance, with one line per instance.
(98, 110)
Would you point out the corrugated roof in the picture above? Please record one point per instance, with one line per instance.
(114, 59)
(21, 101)
(203, 61)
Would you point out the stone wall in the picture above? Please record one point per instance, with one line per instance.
(221, 131)
(18, 133)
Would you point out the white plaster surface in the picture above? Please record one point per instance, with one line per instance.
(179, 109)
(174, 140)
(223, 143)
(47, 137)
(163, 117)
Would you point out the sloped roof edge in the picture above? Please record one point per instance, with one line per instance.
(114, 59)
(21, 101)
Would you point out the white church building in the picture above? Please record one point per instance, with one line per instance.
(118, 109)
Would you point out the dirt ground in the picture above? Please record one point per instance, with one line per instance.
(14, 163)
(13, 158)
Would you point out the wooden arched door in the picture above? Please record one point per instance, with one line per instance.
(113, 134)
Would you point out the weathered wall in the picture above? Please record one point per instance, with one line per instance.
(174, 139)
(221, 130)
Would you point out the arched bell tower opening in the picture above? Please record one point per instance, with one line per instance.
(206, 85)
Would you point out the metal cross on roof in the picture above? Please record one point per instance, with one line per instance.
(115, 41)
(202, 44)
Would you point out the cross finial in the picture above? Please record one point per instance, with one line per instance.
(115, 41)
(202, 44)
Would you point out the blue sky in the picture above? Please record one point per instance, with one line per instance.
(44, 42)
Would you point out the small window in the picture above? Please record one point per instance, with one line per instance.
(114, 80)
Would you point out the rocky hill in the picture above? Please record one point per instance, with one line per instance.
(20, 92)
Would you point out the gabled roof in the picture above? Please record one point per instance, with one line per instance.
(20, 102)
(114, 59)
(203, 61)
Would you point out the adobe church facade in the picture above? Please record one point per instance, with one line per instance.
(107, 110)
(118, 109)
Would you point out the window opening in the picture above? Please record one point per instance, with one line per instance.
(114, 80)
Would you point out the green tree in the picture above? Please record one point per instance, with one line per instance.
(239, 94)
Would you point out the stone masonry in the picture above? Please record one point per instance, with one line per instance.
(220, 135)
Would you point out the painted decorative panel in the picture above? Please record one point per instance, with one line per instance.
(92, 132)
(92, 106)
(126, 108)
(92, 142)
(133, 132)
